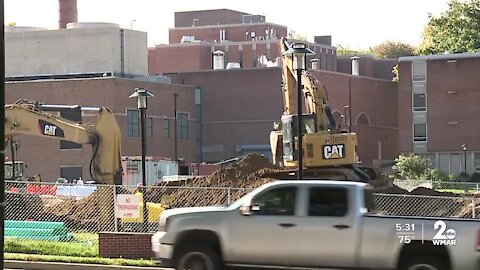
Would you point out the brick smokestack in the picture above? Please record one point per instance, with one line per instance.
(67, 12)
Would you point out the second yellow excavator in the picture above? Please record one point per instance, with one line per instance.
(328, 152)
(34, 119)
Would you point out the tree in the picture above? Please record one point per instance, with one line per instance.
(410, 167)
(341, 50)
(455, 30)
(391, 49)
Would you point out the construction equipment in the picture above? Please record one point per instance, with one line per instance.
(31, 118)
(329, 152)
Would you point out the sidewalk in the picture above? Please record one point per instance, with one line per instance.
(29, 265)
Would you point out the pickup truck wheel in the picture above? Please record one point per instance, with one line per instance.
(198, 258)
(423, 263)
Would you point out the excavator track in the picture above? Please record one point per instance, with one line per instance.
(346, 173)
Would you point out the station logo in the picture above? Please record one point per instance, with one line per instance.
(333, 151)
(444, 236)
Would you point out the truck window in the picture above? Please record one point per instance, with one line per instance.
(276, 202)
(328, 202)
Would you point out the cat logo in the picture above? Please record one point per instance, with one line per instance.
(334, 151)
(50, 129)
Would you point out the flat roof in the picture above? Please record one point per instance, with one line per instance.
(439, 57)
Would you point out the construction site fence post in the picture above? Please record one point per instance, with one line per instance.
(115, 207)
(228, 196)
(473, 207)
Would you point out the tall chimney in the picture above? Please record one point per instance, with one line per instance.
(67, 12)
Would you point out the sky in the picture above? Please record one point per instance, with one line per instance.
(352, 23)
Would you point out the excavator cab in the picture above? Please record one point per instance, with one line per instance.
(290, 134)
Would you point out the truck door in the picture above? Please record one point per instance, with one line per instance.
(326, 233)
(265, 237)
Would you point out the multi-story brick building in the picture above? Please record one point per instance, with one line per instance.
(239, 107)
(244, 39)
(438, 106)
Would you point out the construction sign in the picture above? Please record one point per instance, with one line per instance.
(127, 206)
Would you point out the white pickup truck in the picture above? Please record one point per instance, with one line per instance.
(312, 224)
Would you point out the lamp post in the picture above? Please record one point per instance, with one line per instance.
(175, 95)
(464, 149)
(299, 52)
(142, 94)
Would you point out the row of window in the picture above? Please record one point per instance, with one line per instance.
(323, 202)
(133, 125)
(419, 98)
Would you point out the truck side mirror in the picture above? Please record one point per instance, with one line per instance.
(247, 208)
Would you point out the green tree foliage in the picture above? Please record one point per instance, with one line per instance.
(413, 167)
(346, 51)
(395, 72)
(410, 167)
(455, 30)
(392, 49)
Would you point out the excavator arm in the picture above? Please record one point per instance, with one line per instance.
(315, 94)
(33, 119)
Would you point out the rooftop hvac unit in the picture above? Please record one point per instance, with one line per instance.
(253, 18)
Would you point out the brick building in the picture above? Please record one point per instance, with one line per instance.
(438, 105)
(52, 158)
(239, 107)
(246, 39)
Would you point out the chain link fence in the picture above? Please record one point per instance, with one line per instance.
(454, 187)
(62, 212)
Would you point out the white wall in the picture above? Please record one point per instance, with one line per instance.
(75, 51)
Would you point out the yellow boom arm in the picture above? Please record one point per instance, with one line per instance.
(28, 118)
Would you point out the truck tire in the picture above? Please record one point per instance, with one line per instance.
(423, 263)
(198, 258)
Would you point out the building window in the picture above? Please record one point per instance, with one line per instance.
(182, 126)
(149, 126)
(76, 116)
(419, 71)
(420, 132)
(71, 172)
(133, 123)
(166, 128)
(419, 103)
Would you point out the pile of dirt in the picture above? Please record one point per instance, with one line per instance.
(77, 214)
(239, 177)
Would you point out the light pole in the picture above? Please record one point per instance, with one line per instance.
(464, 148)
(175, 95)
(299, 51)
(142, 94)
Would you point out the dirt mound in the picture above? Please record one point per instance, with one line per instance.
(431, 192)
(392, 190)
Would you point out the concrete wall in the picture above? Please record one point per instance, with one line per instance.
(44, 155)
(75, 51)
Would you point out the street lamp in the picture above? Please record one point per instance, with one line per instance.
(299, 52)
(142, 94)
(464, 148)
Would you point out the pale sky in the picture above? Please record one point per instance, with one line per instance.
(353, 23)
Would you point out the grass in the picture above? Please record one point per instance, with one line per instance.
(82, 245)
(71, 259)
(82, 249)
(457, 191)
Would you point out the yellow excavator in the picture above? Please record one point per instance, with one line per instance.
(34, 119)
(328, 151)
